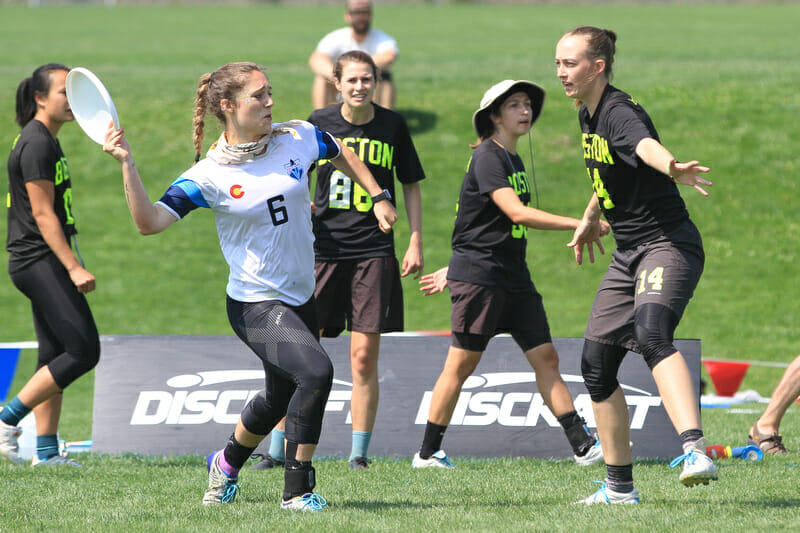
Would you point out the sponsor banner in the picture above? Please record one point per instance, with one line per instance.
(168, 395)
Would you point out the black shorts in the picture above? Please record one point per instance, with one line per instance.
(486, 311)
(363, 295)
(661, 272)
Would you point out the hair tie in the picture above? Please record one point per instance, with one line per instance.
(197, 157)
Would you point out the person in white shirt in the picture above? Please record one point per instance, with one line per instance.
(358, 36)
(255, 180)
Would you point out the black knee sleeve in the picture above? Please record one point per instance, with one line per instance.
(71, 365)
(654, 326)
(599, 366)
(261, 414)
(307, 405)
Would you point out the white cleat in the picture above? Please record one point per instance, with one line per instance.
(605, 495)
(593, 457)
(437, 460)
(306, 502)
(9, 443)
(221, 487)
(55, 460)
(697, 466)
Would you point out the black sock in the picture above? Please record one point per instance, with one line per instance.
(432, 441)
(235, 453)
(577, 434)
(620, 478)
(691, 435)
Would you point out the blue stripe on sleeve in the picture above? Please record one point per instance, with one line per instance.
(328, 147)
(192, 191)
(182, 197)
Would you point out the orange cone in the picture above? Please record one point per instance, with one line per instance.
(726, 375)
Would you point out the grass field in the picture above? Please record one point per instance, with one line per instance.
(719, 81)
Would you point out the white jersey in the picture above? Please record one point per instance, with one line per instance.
(262, 210)
(340, 41)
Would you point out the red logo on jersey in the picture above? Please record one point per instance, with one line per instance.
(237, 192)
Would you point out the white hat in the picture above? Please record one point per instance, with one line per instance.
(480, 120)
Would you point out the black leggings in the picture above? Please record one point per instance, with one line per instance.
(65, 329)
(298, 372)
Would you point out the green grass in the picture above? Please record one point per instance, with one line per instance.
(720, 82)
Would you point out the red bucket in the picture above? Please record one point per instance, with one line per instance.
(726, 375)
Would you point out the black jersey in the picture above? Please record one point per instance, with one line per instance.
(35, 155)
(639, 202)
(488, 249)
(344, 224)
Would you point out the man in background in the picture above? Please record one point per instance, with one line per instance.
(358, 36)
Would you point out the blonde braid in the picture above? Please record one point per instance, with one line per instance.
(200, 107)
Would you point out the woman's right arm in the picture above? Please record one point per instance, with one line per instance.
(148, 217)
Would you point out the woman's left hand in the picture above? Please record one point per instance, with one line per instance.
(386, 215)
(687, 174)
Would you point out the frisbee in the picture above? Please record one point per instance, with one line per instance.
(90, 103)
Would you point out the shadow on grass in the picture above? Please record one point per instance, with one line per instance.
(419, 121)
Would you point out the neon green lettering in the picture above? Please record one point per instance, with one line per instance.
(375, 152)
(388, 156)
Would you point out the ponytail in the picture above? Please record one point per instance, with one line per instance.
(200, 108)
(39, 82)
(26, 104)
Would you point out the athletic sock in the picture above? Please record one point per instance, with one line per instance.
(46, 446)
(360, 444)
(620, 478)
(689, 437)
(14, 411)
(577, 433)
(234, 456)
(432, 441)
(276, 446)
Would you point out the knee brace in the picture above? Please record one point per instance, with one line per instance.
(69, 366)
(654, 325)
(259, 416)
(599, 366)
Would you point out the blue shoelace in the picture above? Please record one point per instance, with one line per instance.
(688, 456)
(602, 490)
(315, 502)
(231, 490)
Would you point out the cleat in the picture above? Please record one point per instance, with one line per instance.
(306, 502)
(268, 462)
(697, 466)
(437, 460)
(605, 495)
(221, 487)
(771, 444)
(592, 457)
(9, 443)
(359, 463)
(56, 460)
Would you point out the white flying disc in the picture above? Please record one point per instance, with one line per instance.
(90, 103)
